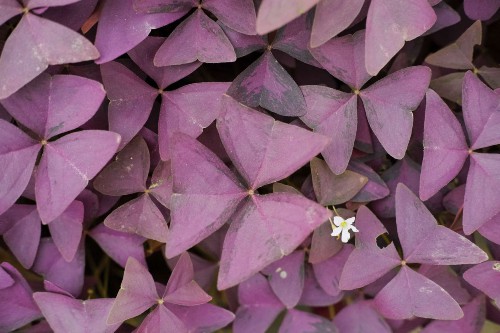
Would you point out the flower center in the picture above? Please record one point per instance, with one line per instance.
(343, 224)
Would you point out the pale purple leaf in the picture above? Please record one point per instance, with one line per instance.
(481, 9)
(374, 189)
(198, 37)
(266, 83)
(134, 28)
(445, 148)
(274, 14)
(446, 277)
(332, 113)
(66, 230)
(203, 318)
(389, 104)
(481, 110)
(411, 294)
(161, 319)
(485, 278)
(161, 183)
(5, 279)
(328, 272)
(300, 321)
(137, 293)
(72, 15)
(37, 43)
(348, 319)
(131, 100)
(256, 148)
(331, 18)
(70, 158)
(128, 172)
(163, 6)
(417, 227)
(313, 295)
(47, 3)
(388, 27)
(266, 229)
(188, 110)
(367, 257)
(66, 314)
(238, 15)
(244, 44)
(323, 245)
(9, 9)
(199, 205)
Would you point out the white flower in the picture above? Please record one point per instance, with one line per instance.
(343, 226)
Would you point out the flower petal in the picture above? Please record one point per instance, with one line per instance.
(353, 228)
(350, 220)
(336, 231)
(345, 236)
(337, 220)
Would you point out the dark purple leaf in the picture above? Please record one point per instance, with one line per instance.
(481, 9)
(238, 15)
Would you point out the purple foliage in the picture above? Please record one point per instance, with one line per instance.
(185, 166)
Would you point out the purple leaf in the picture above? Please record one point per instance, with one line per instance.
(16, 304)
(202, 318)
(9, 9)
(5, 279)
(331, 18)
(481, 9)
(161, 183)
(265, 229)
(163, 6)
(161, 319)
(331, 189)
(69, 158)
(259, 149)
(328, 272)
(188, 110)
(374, 189)
(47, 3)
(348, 319)
(449, 86)
(458, 55)
(134, 28)
(137, 293)
(323, 246)
(286, 278)
(197, 38)
(484, 277)
(389, 113)
(426, 242)
(118, 245)
(446, 17)
(300, 321)
(65, 314)
(37, 43)
(445, 148)
(411, 294)
(72, 15)
(21, 230)
(266, 83)
(244, 44)
(66, 230)
(274, 14)
(333, 113)
(446, 277)
(314, 295)
(388, 27)
(238, 15)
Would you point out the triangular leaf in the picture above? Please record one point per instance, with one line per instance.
(66, 230)
(274, 14)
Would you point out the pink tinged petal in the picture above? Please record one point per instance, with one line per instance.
(161, 183)
(483, 181)
(52, 266)
(424, 241)
(348, 319)
(331, 18)
(274, 14)
(134, 28)
(389, 104)
(199, 205)
(374, 189)
(16, 148)
(35, 44)
(323, 246)
(300, 321)
(458, 55)
(143, 55)
(202, 318)
(66, 314)
(446, 277)
(265, 229)
(198, 37)
(137, 293)
(367, 257)
(16, 303)
(51, 105)
(344, 58)
(332, 113)
(481, 107)
(481, 9)
(331, 189)
(328, 272)
(128, 172)
(445, 148)
(119, 245)
(258, 306)
(411, 294)
(188, 110)
(139, 216)
(485, 278)
(66, 230)
(256, 142)
(9, 9)
(388, 27)
(23, 233)
(267, 84)
(238, 15)
(70, 158)
(286, 278)
(131, 100)
(162, 320)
